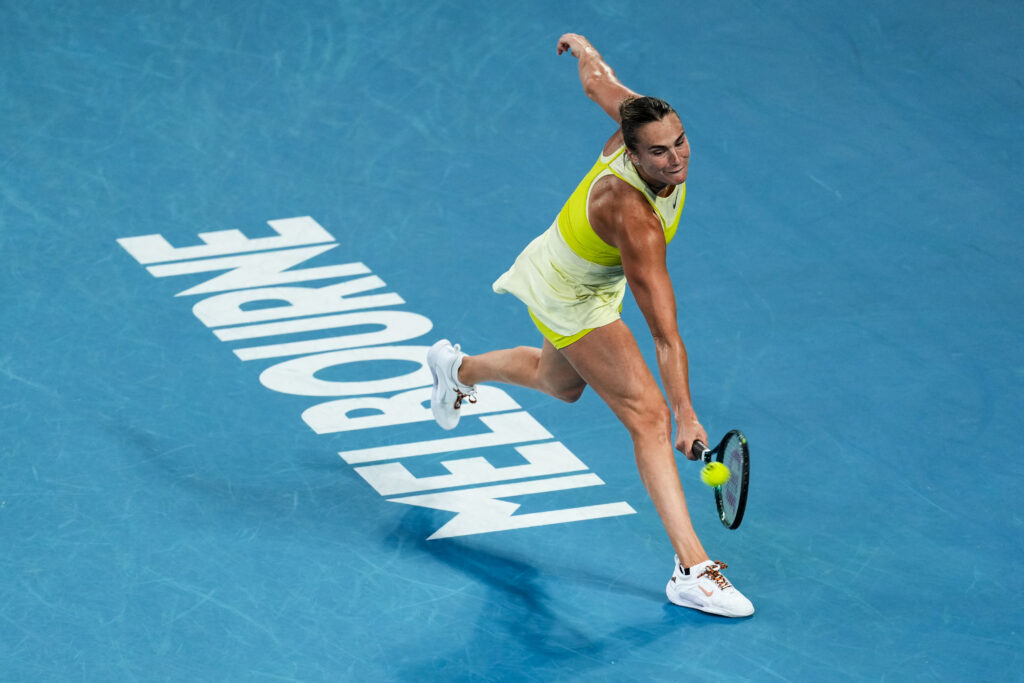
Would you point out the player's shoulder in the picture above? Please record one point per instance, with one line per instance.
(619, 211)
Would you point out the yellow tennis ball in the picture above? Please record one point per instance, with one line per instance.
(715, 474)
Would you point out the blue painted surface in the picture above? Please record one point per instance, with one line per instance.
(854, 212)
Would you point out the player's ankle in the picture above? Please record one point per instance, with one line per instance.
(461, 374)
(687, 561)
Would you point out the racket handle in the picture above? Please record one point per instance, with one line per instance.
(700, 450)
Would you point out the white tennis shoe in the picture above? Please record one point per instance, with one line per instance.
(444, 360)
(703, 587)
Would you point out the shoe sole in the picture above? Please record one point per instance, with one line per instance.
(704, 609)
(436, 394)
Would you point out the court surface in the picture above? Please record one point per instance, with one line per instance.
(173, 505)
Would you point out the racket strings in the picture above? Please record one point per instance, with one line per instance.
(713, 572)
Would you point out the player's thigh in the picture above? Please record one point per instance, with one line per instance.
(609, 360)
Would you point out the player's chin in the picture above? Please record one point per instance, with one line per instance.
(677, 178)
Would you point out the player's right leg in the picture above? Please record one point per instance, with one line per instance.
(609, 359)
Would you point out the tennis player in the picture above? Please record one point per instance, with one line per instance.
(613, 230)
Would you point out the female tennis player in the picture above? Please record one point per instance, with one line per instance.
(613, 230)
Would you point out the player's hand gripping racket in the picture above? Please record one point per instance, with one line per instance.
(730, 497)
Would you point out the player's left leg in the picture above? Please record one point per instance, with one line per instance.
(544, 369)
(609, 359)
(611, 362)
(456, 375)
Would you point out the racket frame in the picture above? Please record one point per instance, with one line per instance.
(718, 454)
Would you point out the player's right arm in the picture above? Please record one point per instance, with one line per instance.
(598, 79)
(623, 218)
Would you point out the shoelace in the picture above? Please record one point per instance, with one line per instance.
(459, 395)
(713, 572)
(471, 397)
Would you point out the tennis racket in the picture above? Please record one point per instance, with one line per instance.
(730, 497)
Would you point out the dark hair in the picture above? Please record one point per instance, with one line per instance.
(636, 112)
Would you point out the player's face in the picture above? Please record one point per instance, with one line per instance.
(663, 152)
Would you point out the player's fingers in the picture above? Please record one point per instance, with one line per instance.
(571, 43)
(700, 435)
(685, 447)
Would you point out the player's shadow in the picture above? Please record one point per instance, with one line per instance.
(520, 618)
(517, 601)
(520, 609)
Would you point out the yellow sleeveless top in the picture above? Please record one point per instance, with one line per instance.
(574, 223)
(571, 280)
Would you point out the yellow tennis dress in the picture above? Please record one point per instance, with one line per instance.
(570, 279)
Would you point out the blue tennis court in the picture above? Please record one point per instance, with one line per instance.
(230, 232)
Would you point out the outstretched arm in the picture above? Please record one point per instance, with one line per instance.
(625, 218)
(644, 261)
(598, 79)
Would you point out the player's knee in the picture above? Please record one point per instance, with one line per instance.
(570, 394)
(649, 417)
(661, 418)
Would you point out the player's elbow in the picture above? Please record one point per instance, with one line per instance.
(591, 85)
(595, 81)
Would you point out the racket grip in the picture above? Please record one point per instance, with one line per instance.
(700, 450)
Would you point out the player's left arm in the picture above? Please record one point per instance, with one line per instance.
(598, 79)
